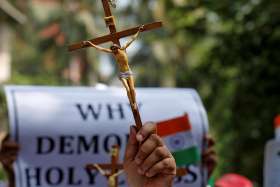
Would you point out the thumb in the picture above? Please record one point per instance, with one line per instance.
(132, 145)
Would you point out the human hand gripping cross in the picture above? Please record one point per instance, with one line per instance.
(148, 162)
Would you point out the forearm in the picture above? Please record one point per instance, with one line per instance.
(149, 184)
(98, 47)
(101, 171)
(162, 183)
(133, 38)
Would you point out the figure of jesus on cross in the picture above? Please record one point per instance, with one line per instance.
(115, 168)
(119, 53)
(121, 58)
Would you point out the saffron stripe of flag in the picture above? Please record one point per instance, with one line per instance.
(173, 126)
(177, 136)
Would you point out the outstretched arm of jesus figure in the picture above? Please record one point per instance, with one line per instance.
(97, 47)
(148, 162)
(101, 171)
(133, 38)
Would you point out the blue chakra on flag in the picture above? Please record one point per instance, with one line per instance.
(177, 141)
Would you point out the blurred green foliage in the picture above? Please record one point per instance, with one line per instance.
(227, 50)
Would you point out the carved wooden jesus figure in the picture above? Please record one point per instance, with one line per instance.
(121, 58)
(110, 171)
(111, 177)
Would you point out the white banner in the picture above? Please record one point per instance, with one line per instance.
(60, 130)
(272, 164)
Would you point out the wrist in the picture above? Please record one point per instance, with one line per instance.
(161, 183)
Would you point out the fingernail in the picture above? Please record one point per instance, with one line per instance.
(139, 137)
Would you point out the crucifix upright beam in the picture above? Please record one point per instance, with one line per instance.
(112, 25)
(115, 37)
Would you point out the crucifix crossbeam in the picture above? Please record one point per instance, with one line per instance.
(115, 36)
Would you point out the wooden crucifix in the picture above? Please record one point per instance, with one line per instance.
(119, 53)
(116, 168)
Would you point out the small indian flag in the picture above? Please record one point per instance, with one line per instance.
(177, 135)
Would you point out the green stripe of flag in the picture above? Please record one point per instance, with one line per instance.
(187, 156)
